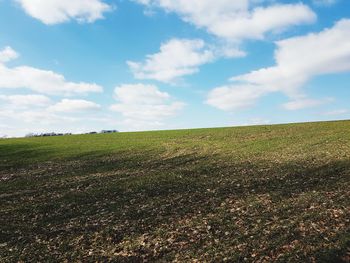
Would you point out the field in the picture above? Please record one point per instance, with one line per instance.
(276, 193)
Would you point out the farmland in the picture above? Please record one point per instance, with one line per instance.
(247, 194)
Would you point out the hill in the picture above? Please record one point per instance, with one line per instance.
(255, 194)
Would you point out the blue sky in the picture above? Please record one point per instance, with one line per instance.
(79, 66)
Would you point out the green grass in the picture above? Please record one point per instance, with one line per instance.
(257, 194)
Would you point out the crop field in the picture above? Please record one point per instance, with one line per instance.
(277, 193)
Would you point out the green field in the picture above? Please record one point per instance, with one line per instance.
(276, 193)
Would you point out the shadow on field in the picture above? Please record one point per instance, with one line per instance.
(135, 208)
(31, 155)
(15, 154)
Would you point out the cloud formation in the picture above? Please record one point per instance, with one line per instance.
(176, 58)
(69, 105)
(234, 97)
(58, 11)
(236, 20)
(38, 80)
(38, 113)
(336, 112)
(144, 106)
(8, 54)
(25, 101)
(298, 60)
(300, 104)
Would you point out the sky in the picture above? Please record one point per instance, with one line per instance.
(132, 65)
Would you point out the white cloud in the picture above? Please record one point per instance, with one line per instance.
(68, 105)
(43, 81)
(140, 94)
(255, 121)
(262, 20)
(20, 122)
(58, 11)
(148, 111)
(24, 101)
(177, 58)
(239, 19)
(227, 50)
(7, 54)
(234, 97)
(300, 104)
(259, 121)
(298, 60)
(144, 106)
(336, 112)
(16, 121)
(42, 117)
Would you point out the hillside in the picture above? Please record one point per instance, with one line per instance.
(255, 194)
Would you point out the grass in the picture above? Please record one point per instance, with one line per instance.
(251, 194)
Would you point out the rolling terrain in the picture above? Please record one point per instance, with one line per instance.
(277, 193)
